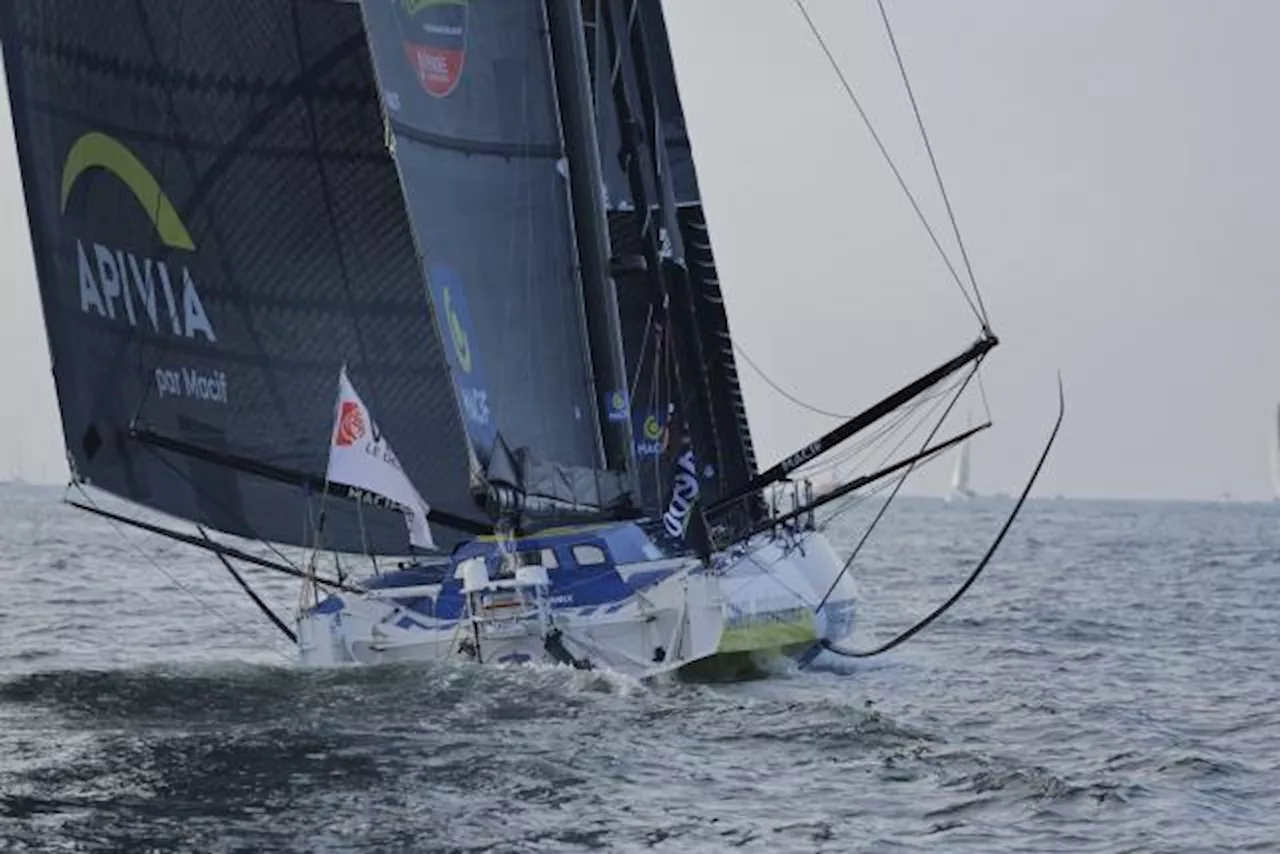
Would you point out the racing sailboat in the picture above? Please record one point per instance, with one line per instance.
(960, 488)
(1275, 456)
(273, 234)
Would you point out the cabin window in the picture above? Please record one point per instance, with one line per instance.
(587, 555)
(535, 557)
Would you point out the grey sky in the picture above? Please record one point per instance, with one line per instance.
(1113, 167)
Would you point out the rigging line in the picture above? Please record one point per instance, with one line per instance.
(892, 451)
(891, 425)
(892, 495)
(937, 401)
(780, 390)
(251, 593)
(655, 397)
(937, 173)
(924, 221)
(644, 348)
(220, 503)
(849, 502)
(173, 579)
(982, 564)
(982, 391)
(878, 439)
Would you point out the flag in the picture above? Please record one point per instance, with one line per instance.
(360, 457)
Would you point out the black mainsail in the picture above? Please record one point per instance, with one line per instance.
(218, 226)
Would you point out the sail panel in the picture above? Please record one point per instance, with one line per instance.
(469, 92)
(218, 227)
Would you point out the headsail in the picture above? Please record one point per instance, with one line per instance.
(217, 227)
(471, 105)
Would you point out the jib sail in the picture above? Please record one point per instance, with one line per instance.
(469, 92)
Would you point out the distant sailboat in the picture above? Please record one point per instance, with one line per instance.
(16, 474)
(960, 488)
(1275, 457)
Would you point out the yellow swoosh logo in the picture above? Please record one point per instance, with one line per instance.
(461, 345)
(96, 150)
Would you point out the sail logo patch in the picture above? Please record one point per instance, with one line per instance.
(684, 495)
(118, 284)
(457, 333)
(649, 436)
(617, 405)
(457, 336)
(436, 46)
(350, 424)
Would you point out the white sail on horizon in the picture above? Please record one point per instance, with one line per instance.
(359, 456)
(960, 487)
(1275, 455)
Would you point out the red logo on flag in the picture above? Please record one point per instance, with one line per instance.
(350, 424)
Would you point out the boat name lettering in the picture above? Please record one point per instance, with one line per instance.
(364, 496)
(684, 494)
(118, 285)
(802, 456)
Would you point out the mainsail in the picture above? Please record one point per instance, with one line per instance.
(218, 227)
(231, 199)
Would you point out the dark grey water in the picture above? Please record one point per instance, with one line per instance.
(1111, 684)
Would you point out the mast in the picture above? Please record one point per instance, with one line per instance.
(699, 277)
(689, 447)
(566, 30)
